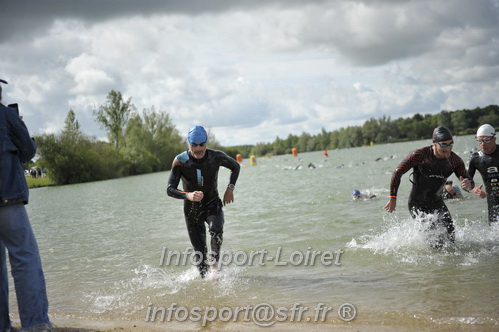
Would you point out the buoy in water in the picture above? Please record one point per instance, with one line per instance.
(253, 161)
(294, 151)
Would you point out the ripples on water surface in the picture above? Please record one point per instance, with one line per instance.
(101, 245)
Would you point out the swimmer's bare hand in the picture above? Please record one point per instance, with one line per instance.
(390, 205)
(195, 196)
(466, 183)
(228, 196)
(479, 192)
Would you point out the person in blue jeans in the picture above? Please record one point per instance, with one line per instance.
(16, 234)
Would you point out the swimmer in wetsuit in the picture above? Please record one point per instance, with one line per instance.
(486, 161)
(431, 165)
(198, 169)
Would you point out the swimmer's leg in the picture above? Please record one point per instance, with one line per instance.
(216, 223)
(197, 235)
(493, 214)
(448, 223)
(438, 236)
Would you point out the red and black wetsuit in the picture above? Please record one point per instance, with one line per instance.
(488, 166)
(202, 175)
(428, 179)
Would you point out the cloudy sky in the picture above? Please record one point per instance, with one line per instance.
(249, 70)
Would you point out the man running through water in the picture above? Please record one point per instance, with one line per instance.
(198, 169)
(486, 161)
(431, 165)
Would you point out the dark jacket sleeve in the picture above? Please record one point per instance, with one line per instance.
(20, 137)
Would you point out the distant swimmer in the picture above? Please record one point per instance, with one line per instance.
(486, 161)
(198, 169)
(451, 191)
(431, 166)
(364, 195)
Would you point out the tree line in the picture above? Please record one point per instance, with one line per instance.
(377, 131)
(140, 143)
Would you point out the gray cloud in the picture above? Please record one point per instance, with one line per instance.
(266, 68)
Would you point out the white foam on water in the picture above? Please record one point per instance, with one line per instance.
(149, 284)
(409, 240)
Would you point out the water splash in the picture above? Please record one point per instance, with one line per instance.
(152, 284)
(409, 241)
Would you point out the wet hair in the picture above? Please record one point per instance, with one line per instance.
(441, 134)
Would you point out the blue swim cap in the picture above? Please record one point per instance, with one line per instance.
(356, 193)
(197, 134)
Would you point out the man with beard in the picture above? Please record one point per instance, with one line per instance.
(198, 169)
(431, 166)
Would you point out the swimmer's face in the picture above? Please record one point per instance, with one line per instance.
(198, 149)
(487, 144)
(443, 149)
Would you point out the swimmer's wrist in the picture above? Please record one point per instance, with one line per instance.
(393, 197)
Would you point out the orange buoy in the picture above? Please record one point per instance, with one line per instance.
(294, 151)
(239, 158)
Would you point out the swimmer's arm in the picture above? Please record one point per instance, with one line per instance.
(174, 180)
(405, 165)
(466, 184)
(233, 165)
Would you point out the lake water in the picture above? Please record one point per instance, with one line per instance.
(104, 247)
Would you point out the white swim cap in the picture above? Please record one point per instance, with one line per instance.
(486, 130)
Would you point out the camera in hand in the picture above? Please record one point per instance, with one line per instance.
(15, 106)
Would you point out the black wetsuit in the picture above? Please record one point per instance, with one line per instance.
(202, 175)
(488, 166)
(428, 179)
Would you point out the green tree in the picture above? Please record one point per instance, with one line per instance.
(71, 157)
(166, 140)
(459, 122)
(113, 117)
(491, 118)
(370, 130)
(445, 119)
(152, 142)
(71, 131)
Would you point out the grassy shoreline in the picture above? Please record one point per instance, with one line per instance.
(38, 182)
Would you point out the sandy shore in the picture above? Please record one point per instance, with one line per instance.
(68, 325)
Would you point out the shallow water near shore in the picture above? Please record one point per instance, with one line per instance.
(104, 247)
